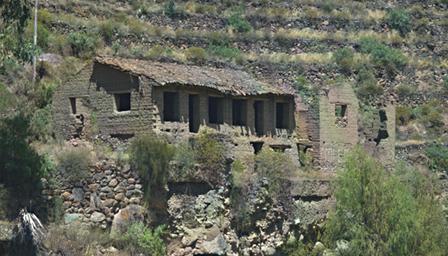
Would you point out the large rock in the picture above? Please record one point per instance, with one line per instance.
(217, 246)
(126, 216)
(77, 194)
(72, 217)
(97, 217)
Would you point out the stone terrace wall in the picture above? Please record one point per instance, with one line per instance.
(95, 201)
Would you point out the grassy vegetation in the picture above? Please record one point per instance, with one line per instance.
(74, 164)
(395, 223)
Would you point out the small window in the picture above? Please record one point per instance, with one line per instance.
(73, 105)
(282, 114)
(340, 111)
(239, 113)
(170, 106)
(123, 101)
(215, 110)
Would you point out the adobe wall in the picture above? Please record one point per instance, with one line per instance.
(337, 140)
(94, 87)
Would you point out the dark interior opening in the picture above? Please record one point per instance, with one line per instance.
(170, 106)
(257, 145)
(382, 134)
(215, 110)
(189, 188)
(259, 120)
(122, 136)
(123, 101)
(383, 116)
(73, 105)
(193, 112)
(282, 116)
(280, 148)
(340, 110)
(239, 113)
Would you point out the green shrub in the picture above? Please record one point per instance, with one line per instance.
(82, 44)
(140, 239)
(367, 84)
(399, 20)
(405, 90)
(438, 157)
(107, 29)
(224, 51)
(389, 59)
(328, 6)
(7, 99)
(42, 36)
(445, 83)
(379, 212)
(169, 9)
(240, 24)
(185, 158)
(44, 94)
(275, 166)
(74, 164)
(430, 114)
(155, 52)
(210, 153)
(41, 125)
(344, 59)
(196, 54)
(403, 115)
(307, 92)
(150, 155)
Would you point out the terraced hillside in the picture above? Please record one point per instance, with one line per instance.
(382, 48)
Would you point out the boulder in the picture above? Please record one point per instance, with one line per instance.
(126, 216)
(217, 246)
(77, 194)
(97, 217)
(72, 217)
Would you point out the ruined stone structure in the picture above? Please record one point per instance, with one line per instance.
(123, 97)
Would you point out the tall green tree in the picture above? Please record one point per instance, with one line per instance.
(382, 213)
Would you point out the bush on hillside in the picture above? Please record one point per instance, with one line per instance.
(381, 213)
(344, 59)
(383, 57)
(41, 124)
(196, 55)
(367, 84)
(438, 157)
(74, 164)
(82, 44)
(210, 153)
(399, 20)
(274, 166)
(238, 22)
(150, 155)
(445, 83)
(169, 9)
(403, 115)
(141, 239)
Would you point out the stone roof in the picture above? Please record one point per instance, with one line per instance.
(228, 81)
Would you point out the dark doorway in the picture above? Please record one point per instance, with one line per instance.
(215, 110)
(239, 112)
(282, 116)
(170, 106)
(259, 120)
(193, 112)
(73, 105)
(257, 145)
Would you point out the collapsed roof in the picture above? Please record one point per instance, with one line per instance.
(228, 81)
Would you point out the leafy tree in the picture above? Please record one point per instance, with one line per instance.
(382, 213)
(21, 168)
(150, 156)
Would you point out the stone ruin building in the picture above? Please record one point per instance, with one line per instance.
(122, 97)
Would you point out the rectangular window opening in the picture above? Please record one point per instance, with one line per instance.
(340, 110)
(282, 115)
(193, 112)
(239, 113)
(123, 101)
(170, 106)
(73, 105)
(215, 110)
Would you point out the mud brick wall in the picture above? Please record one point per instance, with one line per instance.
(336, 141)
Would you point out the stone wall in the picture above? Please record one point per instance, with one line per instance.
(337, 136)
(97, 199)
(93, 89)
